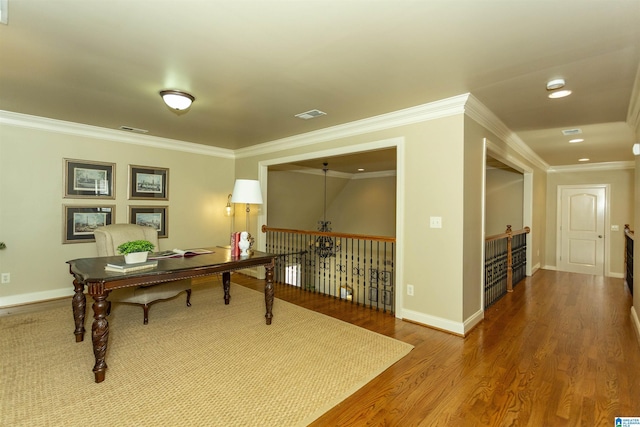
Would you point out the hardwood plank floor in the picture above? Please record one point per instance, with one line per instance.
(558, 351)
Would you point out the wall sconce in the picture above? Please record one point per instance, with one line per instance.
(227, 209)
(636, 149)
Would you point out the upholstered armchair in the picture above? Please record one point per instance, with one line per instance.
(108, 238)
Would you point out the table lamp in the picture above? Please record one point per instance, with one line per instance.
(247, 191)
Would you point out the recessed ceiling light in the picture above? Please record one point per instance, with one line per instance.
(360, 170)
(584, 159)
(555, 84)
(574, 141)
(559, 94)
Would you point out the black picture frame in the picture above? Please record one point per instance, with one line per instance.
(80, 221)
(151, 216)
(85, 179)
(148, 183)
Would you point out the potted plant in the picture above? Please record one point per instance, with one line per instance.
(135, 251)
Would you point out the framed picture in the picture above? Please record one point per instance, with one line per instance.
(147, 182)
(80, 221)
(86, 179)
(150, 216)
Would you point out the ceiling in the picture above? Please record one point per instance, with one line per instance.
(253, 65)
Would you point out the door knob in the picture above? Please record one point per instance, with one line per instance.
(599, 236)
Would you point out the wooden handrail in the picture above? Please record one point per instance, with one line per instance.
(330, 234)
(507, 233)
(628, 232)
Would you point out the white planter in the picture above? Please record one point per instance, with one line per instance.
(136, 257)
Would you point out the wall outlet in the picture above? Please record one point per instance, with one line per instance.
(435, 222)
(5, 278)
(410, 290)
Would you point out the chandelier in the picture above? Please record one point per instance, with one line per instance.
(325, 246)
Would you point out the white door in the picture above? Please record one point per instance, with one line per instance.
(581, 236)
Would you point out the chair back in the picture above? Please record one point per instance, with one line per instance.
(109, 237)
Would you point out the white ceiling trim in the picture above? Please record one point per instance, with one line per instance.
(633, 114)
(421, 113)
(87, 131)
(591, 167)
(485, 117)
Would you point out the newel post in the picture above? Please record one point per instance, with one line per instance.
(509, 260)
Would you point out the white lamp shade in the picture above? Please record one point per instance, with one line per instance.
(247, 191)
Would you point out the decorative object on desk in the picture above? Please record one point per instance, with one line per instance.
(86, 179)
(244, 243)
(129, 267)
(179, 253)
(135, 251)
(81, 221)
(148, 182)
(324, 245)
(235, 239)
(151, 216)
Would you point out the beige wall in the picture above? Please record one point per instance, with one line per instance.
(621, 210)
(365, 206)
(31, 203)
(503, 201)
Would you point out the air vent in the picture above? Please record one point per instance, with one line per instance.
(310, 114)
(135, 130)
(569, 132)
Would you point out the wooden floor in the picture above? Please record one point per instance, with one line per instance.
(558, 351)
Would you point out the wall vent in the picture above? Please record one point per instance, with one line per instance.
(131, 129)
(311, 114)
(569, 132)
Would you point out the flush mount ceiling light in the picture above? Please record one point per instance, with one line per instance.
(584, 159)
(553, 87)
(177, 99)
(576, 140)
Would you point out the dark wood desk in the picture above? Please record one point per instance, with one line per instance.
(90, 273)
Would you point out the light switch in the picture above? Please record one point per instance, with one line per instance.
(615, 228)
(435, 222)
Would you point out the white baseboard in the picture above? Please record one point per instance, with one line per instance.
(636, 322)
(36, 297)
(456, 328)
(616, 275)
(535, 268)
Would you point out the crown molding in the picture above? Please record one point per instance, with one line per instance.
(591, 167)
(485, 117)
(88, 131)
(421, 113)
(633, 114)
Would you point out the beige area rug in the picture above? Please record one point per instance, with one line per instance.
(206, 365)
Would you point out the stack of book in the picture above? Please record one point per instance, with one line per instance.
(127, 268)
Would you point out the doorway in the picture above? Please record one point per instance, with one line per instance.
(581, 228)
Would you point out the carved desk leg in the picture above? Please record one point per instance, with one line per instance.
(79, 304)
(268, 292)
(100, 334)
(226, 285)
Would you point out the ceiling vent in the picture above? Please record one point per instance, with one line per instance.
(569, 132)
(135, 130)
(311, 114)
